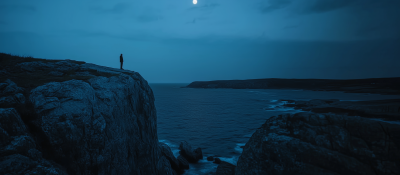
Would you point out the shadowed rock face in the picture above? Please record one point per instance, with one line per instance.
(308, 143)
(100, 122)
(18, 150)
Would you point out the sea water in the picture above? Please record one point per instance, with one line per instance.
(220, 121)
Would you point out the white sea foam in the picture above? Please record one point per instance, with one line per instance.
(238, 147)
(232, 160)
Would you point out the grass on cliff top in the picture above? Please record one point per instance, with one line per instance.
(30, 80)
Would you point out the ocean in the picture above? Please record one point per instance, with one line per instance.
(220, 121)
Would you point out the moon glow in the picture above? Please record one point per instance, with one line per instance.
(194, 1)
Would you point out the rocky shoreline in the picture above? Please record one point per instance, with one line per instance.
(373, 85)
(69, 117)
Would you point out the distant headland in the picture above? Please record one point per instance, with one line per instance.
(386, 86)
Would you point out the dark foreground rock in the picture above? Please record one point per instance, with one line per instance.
(225, 168)
(166, 151)
(217, 160)
(187, 152)
(77, 118)
(373, 85)
(183, 163)
(18, 150)
(309, 143)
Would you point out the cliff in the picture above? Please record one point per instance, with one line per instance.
(373, 85)
(334, 138)
(70, 117)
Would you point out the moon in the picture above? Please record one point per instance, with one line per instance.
(194, 1)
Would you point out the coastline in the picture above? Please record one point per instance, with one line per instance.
(384, 86)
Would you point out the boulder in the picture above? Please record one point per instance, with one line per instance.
(18, 153)
(11, 122)
(166, 151)
(225, 168)
(11, 100)
(164, 167)
(19, 164)
(210, 158)
(309, 143)
(9, 88)
(217, 160)
(183, 163)
(187, 151)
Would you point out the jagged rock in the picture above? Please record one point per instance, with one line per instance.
(18, 153)
(187, 151)
(19, 164)
(10, 88)
(308, 143)
(225, 168)
(166, 150)
(99, 124)
(164, 167)
(11, 122)
(210, 158)
(183, 163)
(81, 118)
(217, 160)
(12, 100)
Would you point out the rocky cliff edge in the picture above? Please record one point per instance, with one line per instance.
(70, 117)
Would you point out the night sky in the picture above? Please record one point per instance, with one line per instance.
(176, 41)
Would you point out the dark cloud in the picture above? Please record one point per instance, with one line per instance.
(205, 7)
(273, 5)
(320, 6)
(17, 8)
(116, 9)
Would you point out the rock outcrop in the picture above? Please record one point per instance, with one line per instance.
(18, 150)
(225, 168)
(309, 143)
(190, 154)
(79, 118)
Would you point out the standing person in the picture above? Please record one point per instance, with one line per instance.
(121, 60)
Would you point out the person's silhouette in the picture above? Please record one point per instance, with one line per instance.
(121, 60)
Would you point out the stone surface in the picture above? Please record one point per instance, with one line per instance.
(187, 151)
(9, 88)
(183, 163)
(210, 158)
(309, 143)
(166, 151)
(225, 168)
(217, 160)
(18, 153)
(99, 124)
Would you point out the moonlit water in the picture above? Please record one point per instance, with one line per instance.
(221, 120)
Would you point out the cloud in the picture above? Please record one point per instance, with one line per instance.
(273, 5)
(116, 9)
(321, 6)
(17, 8)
